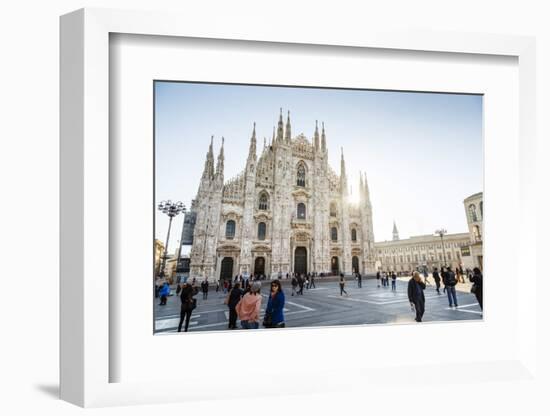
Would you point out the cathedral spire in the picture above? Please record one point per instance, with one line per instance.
(209, 162)
(361, 186)
(221, 158)
(323, 138)
(273, 138)
(252, 148)
(395, 232)
(343, 176)
(316, 136)
(288, 134)
(342, 163)
(280, 127)
(366, 189)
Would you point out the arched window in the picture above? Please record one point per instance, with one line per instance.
(261, 231)
(263, 203)
(301, 175)
(230, 229)
(333, 209)
(481, 209)
(353, 234)
(334, 234)
(473, 212)
(301, 211)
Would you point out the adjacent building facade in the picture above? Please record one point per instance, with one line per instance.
(473, 251)
(420, 251)
(287, 211)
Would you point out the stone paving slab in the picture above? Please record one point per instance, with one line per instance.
(323, 306)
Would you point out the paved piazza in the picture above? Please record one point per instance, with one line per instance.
(323, 306)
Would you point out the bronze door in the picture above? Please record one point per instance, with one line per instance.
(300, 260)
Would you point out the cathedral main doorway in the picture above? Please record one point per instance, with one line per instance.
(259, 266)
(355, 264)
(300, 260)
(334, 266)
(226, 269)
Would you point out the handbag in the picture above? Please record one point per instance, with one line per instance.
(473, 289)
(193, 303)
(268, 320)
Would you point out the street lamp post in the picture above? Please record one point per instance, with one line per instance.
(184, 210)
(171, 209)
(441, 232)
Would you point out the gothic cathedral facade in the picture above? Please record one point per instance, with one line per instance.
(287, 211)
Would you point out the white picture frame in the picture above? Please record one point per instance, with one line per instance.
(86, 350)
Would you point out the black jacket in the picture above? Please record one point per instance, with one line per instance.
(186, 296)
(449, 279)
(413, 294)
(478, 280)
(234, 297)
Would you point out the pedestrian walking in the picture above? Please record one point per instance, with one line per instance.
(437, 280)
(393, 281)
(204, 288)
(274, 317)
(449, 280)
(217, 286)
(378, 278)
(188, 304)
(312, 281)
(415, 292)
(459, 276)
(477, 286)
(300, 284)
(163, 293)
(225, 286)
(294, 284)
(342, 285)
(248, 308)
(231, 301)
(359, 281)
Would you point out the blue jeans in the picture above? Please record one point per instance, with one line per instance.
(250, 325)
(393, 284)
(451, 292)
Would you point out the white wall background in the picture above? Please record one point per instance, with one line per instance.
(29, 209)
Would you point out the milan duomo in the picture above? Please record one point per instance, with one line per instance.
(287, 211)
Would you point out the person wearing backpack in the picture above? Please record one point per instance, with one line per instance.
(449, 280)
(188, 303)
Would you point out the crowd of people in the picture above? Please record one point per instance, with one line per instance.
(449, 278)
(244, 300)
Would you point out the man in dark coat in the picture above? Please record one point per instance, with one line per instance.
(204, 287)
(300, 284)
(415, 291)
(449, 280)
(437, 280)
(232, 299)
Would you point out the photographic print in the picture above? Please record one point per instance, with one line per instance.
(297, 207)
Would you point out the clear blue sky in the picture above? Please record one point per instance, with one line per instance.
(422, 152)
